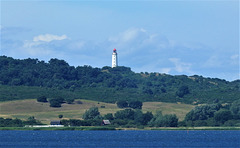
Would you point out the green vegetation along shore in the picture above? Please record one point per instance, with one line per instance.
(113, 128)
(207, 115)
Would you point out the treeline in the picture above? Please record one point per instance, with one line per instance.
(55, 102)
(124, 118)
(8, 122)
(108, 84)
(214, 115)
(211, 115)
(205, 115)
(131, 104)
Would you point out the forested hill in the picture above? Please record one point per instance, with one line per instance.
(29, 78)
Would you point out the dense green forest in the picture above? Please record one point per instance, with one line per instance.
(31, 78)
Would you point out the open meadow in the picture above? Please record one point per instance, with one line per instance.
(23, 109)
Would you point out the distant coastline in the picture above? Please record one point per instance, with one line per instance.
(113, 128)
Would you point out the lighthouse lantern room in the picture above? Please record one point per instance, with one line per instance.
(114, 58)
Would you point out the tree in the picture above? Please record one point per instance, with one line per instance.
(160, 120)
(10, 122)
(125, 114)
(138, 117)
(109, 116)
(42, 99)
(147, 91)
(60, 116)
(92, 113)
(163, 90)
(60, 99)
(135, 104)
(31, 121)
(69, 100)
(182, 91)
(55, 103)
(122, 104)
(203, 112)
(170, 120)
(147, 117)
(222, 115)
(155, 117)
(199, 123)
(235, 108)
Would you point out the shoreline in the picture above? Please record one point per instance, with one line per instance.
(91, 128)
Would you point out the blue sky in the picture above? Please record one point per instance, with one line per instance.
(174, 37)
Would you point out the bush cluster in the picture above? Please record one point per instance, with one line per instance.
(55, 102)
(124, 118)
(131, 104)
(18, 123)
(214, 115)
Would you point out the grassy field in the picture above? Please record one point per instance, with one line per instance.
(23, 109)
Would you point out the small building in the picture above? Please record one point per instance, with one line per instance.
(106, 122)
(55, 122)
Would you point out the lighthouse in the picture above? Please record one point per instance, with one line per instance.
(114, 58)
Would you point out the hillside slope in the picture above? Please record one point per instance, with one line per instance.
(23, 109)
(29, 78)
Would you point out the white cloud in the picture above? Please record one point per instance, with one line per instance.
(30, 44)
(76, 45)
(137, 48)
(40, 45)
(136, 42)
(129, 35)
(181, 67)
(38, 51)
(213, 61)
(132, 34)
(165, 70)
(49, 38)
(234, 57)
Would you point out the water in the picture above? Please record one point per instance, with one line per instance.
(120, 139)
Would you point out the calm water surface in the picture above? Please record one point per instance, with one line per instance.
(120, 139)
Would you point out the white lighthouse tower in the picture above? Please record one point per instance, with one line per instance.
(114, 58)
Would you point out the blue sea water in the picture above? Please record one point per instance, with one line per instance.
(64, 139)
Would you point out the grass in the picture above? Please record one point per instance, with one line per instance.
(168, 108)
(23, 109)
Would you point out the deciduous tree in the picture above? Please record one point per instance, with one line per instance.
(42, 99)
(91, 113)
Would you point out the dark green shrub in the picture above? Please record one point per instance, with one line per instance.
(109, 116)
(135, 104)
(91, 113)
(223, 115)
(69, 100)
(55, 103)
(122, 104)
(42, 99)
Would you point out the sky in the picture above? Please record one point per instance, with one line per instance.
(199, 37)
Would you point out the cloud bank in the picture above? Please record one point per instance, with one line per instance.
(49, 38)
(137, 48)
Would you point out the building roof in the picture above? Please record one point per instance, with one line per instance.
(106, 122)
